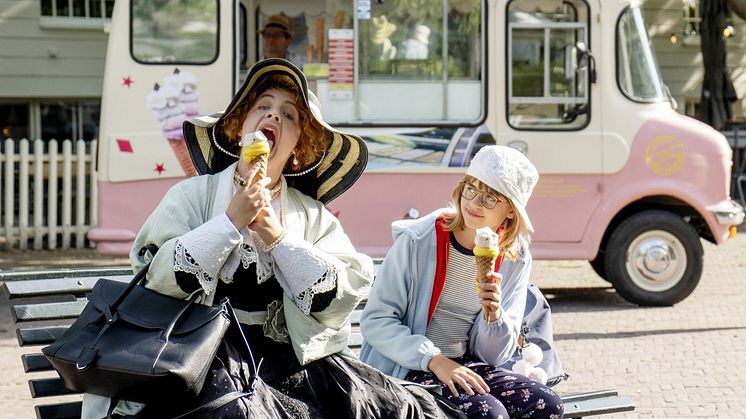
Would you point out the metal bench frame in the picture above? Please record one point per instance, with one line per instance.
(44, 297)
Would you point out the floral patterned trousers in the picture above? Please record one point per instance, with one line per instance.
(511, 395)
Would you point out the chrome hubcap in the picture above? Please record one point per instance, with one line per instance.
(656, 261)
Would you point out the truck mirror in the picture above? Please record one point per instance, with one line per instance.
(581, 55)
(585, 60)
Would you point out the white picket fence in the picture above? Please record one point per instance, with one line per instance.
(49, 194)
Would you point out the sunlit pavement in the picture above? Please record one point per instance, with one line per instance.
(684, 361)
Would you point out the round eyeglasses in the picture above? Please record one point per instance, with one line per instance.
(487, 199)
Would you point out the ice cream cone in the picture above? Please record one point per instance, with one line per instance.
(255, 148)
(486, 252)
(263, 161)
(485, 265)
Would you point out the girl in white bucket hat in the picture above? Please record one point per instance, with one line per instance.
(425, 322)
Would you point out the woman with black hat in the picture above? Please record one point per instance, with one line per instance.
(288, 268)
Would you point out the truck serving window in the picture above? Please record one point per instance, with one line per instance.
(390, 63)
(174, 32)
(637, 71)
(547, 89)
(429, 54)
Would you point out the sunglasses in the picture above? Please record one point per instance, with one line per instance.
(487, 200)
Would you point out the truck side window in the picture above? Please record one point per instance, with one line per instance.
(174, 31)
(547, 89)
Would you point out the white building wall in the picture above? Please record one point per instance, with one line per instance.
(46, 57)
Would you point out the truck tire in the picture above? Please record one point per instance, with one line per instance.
(599, 265)
(654, 258)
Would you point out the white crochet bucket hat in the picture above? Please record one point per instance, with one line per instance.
(507, 171)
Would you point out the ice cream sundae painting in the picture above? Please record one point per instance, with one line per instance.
(172, 101)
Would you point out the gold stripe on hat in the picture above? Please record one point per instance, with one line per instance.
(350, 160)
(204, 142)
(331, 154)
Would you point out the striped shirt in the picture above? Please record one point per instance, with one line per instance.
(458, 305)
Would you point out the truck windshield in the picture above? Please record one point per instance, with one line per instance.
(637, 71)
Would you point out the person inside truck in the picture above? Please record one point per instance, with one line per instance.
(427, 321)
(276, 36)
(269, 244)
(416, 47)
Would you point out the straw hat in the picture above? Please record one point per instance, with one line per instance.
(507, 171)
(342, 163)
(278, 22)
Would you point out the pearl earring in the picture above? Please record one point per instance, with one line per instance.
(295, 160)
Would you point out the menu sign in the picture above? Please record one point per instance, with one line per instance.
(341, 60)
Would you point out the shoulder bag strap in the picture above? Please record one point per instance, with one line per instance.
(234, 395)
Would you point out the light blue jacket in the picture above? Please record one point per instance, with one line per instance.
(395, 317)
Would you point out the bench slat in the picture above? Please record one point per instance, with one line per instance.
(601, 406)
(49, 311)
(580, 409)
(586, 395)
(28, 336)
(35, 363)
(69, 410)
(65, 273)
(56, 286)
(45, 387)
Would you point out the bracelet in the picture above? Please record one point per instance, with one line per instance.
(268, 248)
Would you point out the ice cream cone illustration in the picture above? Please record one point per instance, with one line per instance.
(165, 104)
(186, 84)
(255, 148)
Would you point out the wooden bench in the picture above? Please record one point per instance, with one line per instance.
(45, 303)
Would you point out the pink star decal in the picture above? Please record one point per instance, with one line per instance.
(124, 145)
(127, 81)
(159, 168)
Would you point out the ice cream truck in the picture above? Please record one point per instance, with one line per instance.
(626, 183)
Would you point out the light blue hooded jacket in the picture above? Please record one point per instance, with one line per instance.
(394, 320)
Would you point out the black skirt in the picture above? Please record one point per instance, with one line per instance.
(336, 386)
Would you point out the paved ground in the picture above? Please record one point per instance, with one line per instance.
(687, 361)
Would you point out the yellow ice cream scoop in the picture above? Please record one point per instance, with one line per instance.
(487, 251)
(254, 147)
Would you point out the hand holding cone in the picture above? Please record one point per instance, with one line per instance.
(255, 148)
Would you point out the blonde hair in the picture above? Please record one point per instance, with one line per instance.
(515, 228)
(312, 141)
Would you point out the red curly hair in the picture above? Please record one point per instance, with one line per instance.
(312, 141)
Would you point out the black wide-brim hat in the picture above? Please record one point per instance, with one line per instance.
(342, 163)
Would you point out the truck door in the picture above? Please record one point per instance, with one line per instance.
(547, 106)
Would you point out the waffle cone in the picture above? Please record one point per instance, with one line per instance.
(485, 265)
(263, 160)
(178, 145)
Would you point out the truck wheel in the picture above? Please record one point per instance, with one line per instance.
(654, 258)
